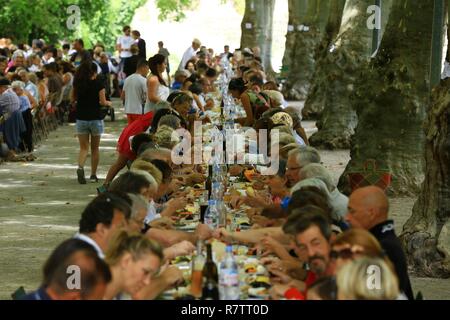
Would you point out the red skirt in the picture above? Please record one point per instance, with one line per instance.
(135, 128)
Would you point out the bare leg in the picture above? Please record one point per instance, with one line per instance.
(84, 149)
(120, 163)
(95, 154)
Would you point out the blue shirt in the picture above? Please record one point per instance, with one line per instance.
(24, 103)
(177, 85)
(40, 294)
(9, 102)
(32, 89)
(285, 202)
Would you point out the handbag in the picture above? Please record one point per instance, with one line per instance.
(103, 112)
(72, 117)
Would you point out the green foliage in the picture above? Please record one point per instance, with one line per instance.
(101, 20)
(23, 20)
(105, 25)
(239, 5)
(173, 9)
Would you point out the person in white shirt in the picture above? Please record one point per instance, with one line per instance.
(48, 56)
(134, 93)
(124, 44)
(29, 86)
(101, 219)
(157, 89)
(190, 53)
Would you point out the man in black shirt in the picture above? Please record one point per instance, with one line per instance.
(130, 64)
(140, 43)
(80, 55)
(368, 209)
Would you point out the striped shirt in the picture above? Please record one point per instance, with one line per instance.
(9, 102)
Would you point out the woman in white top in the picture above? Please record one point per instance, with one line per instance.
(134, 260)
(157, 89)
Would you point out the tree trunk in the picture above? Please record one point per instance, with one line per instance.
(307, 23)
(296, 10)
(426, 235)
(390, 97)
(343, 66)
(257, 29)
(315, 100)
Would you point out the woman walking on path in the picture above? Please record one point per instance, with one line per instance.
(89, 95)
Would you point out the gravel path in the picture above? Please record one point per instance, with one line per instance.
(41, 202)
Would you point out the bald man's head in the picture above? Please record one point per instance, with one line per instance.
(373, 197)
(367, 208)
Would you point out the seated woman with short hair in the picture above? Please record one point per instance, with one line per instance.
(134, 260)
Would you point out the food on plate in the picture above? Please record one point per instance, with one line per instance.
(260, 270)
(257, 281)
(258, 292)
(240, 250)
(250, 268)
(190, 208)
(257, 284)
(181, 259)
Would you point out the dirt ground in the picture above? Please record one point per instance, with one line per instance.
(41, 203)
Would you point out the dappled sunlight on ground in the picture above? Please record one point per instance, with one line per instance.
(41, 203)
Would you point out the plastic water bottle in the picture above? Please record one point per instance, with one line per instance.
(218, 190)
(219, 178)
(222, 209)
(229, 277)
(218, 173)
(212, 215)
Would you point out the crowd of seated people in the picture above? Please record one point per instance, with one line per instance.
(126, 240)
(317, 243)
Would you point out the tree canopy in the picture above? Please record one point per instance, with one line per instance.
(100, 20)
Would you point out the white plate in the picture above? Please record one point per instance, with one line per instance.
(258, 292)
(187, 227)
